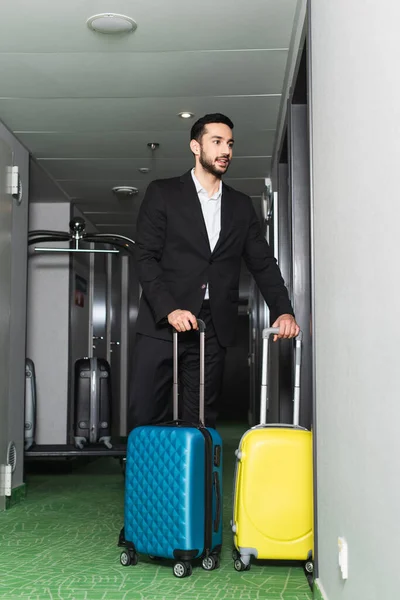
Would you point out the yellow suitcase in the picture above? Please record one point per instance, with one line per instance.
(273, 490)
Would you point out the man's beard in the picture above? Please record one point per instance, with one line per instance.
(209, 166)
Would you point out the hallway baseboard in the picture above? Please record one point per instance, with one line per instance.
(319, 592)
(18, 494)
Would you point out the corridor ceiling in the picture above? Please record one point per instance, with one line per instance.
(86, 104)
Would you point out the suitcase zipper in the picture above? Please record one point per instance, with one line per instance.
(208, 520)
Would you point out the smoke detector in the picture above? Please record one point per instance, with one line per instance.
(125, 190)
(111, 23)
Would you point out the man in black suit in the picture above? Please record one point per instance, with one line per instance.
(192, 233)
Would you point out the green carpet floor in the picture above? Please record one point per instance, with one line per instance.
(60, 544)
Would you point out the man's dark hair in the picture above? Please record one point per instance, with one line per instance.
(198, 129)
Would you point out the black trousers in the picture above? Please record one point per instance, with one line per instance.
(152, 376)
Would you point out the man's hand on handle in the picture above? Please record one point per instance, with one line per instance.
(288, 327)
(182, 320)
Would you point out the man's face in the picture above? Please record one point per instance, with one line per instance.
(215, 148)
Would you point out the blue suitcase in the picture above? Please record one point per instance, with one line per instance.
(173, 488)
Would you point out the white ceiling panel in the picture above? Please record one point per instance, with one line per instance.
(106, 169)
(126, 215)
(134, 75)
(122, 228)
(109, 217)
(51, 26)
(109, 224)
(133, 144)
(134, 114)
(100, 191)
(86, 105)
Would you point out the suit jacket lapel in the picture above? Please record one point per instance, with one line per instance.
(227, 210)
(195, 214)
(192, 202)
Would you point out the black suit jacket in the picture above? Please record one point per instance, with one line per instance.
(175, 261)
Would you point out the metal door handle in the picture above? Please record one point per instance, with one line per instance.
(98, 337)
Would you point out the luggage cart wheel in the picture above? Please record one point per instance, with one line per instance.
(182, 569)
(209, 563)
(240, 566)
(309, 566)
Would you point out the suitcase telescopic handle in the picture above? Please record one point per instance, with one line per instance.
(264, 375)
(202, 330)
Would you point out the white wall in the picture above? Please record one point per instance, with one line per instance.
(48, 324)
(57, 328)
(356, 163)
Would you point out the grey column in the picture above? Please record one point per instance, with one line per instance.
(299, 187)
(285, 414)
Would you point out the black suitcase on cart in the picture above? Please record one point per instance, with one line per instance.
(92, 416)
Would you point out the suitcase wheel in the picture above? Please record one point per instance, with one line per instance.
(211, 562)
(182, 569)
(235, 554)
(240, 566)
(309, 566)
(128, 558)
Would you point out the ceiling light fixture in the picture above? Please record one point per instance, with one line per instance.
(111, 23)
(144, 170)
(125, 190)
(186, 115)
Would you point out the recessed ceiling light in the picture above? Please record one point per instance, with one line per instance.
(111, 23)
(144, 170)
(125, 190)
(186, 115)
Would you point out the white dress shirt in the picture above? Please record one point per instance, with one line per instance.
(211, 208)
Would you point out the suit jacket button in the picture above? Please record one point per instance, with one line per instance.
(203, 287)
(211, 261)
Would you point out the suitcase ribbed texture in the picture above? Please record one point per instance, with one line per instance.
(273, 491)
(173, 487)
(165, 490)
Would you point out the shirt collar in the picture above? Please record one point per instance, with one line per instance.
(199, 188)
